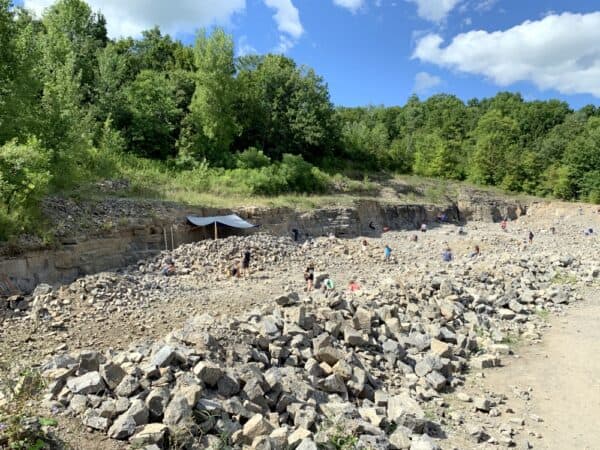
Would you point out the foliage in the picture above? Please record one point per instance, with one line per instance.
(250, 125)
(20, 428)
(24, 179)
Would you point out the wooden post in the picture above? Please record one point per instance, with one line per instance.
(172, 240)
(216, 234)
(166, 243)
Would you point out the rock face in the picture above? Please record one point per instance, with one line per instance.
(96, 236)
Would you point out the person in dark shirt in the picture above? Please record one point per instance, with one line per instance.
(246, 262)
(309, 277)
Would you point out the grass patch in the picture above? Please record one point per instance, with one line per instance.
(563, 278)
(543, 314)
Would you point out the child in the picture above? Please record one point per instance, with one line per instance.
(387, 252)
(447, 255)
(309, 277)
(169, 268)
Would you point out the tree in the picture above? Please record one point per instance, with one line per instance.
(582, 156)
(73, 31)
(496, 138)
(153, 115)
(211, 126)
(284, 108)
(19, 85)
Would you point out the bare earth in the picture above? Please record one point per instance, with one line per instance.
(564, 376)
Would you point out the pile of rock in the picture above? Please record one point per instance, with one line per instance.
(293, 376)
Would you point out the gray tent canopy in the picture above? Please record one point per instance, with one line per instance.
(232, 220)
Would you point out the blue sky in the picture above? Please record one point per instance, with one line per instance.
(382, 51)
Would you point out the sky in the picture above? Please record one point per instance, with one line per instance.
(379, 52)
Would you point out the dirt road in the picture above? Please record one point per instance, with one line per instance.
(563, 373)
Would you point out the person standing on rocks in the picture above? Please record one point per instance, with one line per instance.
(503, 224)
(309, 277)
(387, 253)
(530, 237)
(246, 263)
(364, 246)
(423, 227)
(476, 252)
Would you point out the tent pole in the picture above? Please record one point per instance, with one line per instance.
(172, 240)
(216, 235)
(165, 233)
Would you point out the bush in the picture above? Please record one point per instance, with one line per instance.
(252, 158)
(24, 180)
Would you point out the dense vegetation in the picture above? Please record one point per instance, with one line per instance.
(77, 106)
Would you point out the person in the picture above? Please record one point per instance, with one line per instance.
(169, 268)
(296, 234)
(552, 230)
(364, 246)
(476, 252)
(328, 286)
(371, 226)
(530, 237)
(353, 286)
(234, 269)
(423, 227)
(503, 224)
(309, 277)
(246, 262)
(447, 255)
(386, 229)
(387, 253)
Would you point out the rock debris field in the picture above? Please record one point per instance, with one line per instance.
(135, 359)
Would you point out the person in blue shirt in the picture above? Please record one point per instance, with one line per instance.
(387, 251)
(447, 255)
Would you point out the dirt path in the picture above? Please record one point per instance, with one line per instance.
(563, 374)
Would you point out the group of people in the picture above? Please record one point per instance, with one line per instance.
(327, 284)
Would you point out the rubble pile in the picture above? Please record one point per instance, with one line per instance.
(308, 369)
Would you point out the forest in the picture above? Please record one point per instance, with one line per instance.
(77, 106)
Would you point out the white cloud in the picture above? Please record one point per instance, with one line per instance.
(485, 5)
(434, 10)
(129, 18)
(287, 17)
(244, 48)
(558, 52)
(424, 82)
(352, 5)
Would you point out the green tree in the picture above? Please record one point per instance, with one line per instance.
(72, 30)
(210, 126)
(19, 83)
(496, 138)
(284, 108)
(582, 156)
(153, 115)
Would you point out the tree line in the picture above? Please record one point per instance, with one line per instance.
(71, 97)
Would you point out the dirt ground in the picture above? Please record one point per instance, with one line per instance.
(563, 376)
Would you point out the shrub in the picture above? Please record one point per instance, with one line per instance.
(252, 158)
(24, 180)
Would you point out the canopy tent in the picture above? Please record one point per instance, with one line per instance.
(232, 220)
